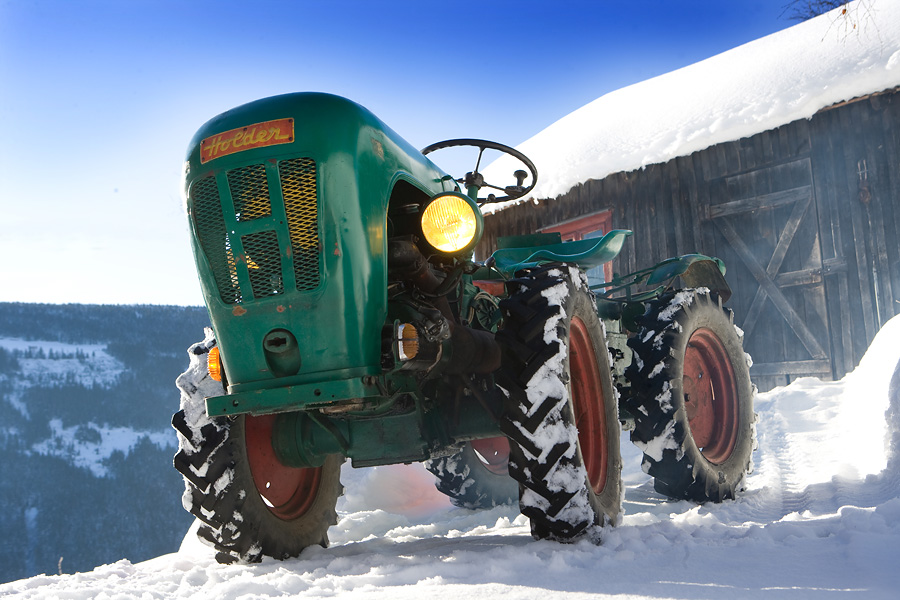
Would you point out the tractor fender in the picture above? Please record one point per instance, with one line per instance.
(696, 271)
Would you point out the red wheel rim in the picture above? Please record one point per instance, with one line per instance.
(710, 396)
(585, 385)
(493, 453)
(288, 492)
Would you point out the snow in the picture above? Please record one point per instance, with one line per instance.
(820, 518)
(764, 84)
(80, 364)
(664, 441)
(680, 299)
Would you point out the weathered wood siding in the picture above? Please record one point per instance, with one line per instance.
(806, 217)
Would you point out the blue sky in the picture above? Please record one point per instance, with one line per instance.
(99, 98)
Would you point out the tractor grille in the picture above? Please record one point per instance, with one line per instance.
(250, 195)
(249, 192)
(263, 263)
(214, 238)
(298, 186)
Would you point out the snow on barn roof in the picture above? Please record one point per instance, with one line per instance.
(759, 86)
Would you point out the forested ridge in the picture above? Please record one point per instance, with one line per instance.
(86, 397)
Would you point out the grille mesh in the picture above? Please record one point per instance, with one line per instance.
(250, 196)
(263, 263)
(214, 238)
(249, 192)
(298, 186)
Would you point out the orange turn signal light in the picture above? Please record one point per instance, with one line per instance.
(213, 364)
(409, 341)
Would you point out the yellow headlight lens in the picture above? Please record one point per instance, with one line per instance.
(449, 223)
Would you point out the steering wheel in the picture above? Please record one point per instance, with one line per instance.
(475, 178)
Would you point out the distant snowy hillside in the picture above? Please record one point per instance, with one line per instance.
(761, 85)
(52, 363)
(48, 363)
(86, 445)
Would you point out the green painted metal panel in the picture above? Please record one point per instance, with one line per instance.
(303, 439)
(248, 244)
(673, 267)
(265, 400)
(584, 253)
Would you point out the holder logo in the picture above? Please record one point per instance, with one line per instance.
(268, 133)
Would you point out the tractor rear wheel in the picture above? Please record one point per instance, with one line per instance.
(249, 504)
(561, 409)
(691, 398)
(478, 475)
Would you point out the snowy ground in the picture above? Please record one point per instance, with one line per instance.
(820, 519)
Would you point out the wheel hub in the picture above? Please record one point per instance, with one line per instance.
(710, 396)
(493, 453)
(287, 491)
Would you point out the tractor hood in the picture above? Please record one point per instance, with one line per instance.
(287, 199)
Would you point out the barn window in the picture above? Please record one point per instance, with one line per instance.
(584, 228)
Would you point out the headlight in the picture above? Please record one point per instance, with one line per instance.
(452, 223)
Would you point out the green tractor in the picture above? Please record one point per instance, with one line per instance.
(351, 320)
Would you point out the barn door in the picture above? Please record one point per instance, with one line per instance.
(764, 225)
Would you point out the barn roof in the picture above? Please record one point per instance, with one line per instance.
(759, 86)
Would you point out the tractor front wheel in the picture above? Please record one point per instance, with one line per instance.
(249, 504)
(561, 409)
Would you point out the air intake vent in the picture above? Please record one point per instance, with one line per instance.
(263, 263)
(298, 187)
(249, 192)
(207, 212)
(218, 227)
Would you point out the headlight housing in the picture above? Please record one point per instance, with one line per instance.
(452, 223)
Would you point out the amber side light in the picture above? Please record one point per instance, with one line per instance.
(213, 365)
(409, 341)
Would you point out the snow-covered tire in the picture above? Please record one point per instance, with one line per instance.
(477, 476)
(561, 412)
(691, 397)
(227, 465)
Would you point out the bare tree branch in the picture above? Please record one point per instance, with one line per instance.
(803, 10)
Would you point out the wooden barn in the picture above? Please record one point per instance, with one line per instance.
(805, 215)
